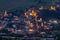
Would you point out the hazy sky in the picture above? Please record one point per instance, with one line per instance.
(10, 4)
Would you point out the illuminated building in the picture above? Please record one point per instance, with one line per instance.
(42, 24)
(25, 14)
(34, 14)
(52, 8)
(15, 17)
(53, 21)
(31, 30)
(1, 27)
(33, 25)
(40, 20)
(5, 13)
(41, 8)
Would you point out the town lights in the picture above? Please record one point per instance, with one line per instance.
(30, 30)
(18, 30)
(30, 24)
(5, 13)
(33, 13)
(41, 8)
(15, 17)
(53, 21)
(42, 24)
(40, 20)
(25, 15)
(1, 27)
(52, 8)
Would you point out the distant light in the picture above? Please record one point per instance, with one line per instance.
(42, 33)
(40, 20)
(42, 24)
(31, 14)
(25, 14)
(5, 13)
(31, 30)
(31, 24)
(14, 26)
(34, 14)
(53, 21)
(1, 27)
(18, 30)
(16, 18)
(46, 28)
(41, 8)
(52, 8)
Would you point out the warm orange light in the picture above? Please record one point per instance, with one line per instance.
(42, 24)
(34, 14)
(55, 22)
(31, 24)
(25, 15)
(5, 13)
(31, 30)
(52, 8)
(46, 28)
(27, 22)
(40, 20)
(41, 8)
(31, 14)
(1, 27)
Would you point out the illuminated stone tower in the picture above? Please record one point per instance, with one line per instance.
(5, 13)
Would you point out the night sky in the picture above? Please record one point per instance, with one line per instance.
(12, 4)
